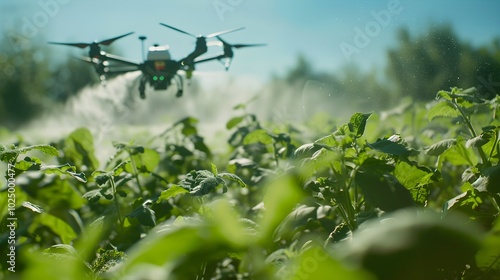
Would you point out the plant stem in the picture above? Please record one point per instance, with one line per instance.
(471, 130)
(344, 199)
(494, 146)
(136, 173)
(115, 198)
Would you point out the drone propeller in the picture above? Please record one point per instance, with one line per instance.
(228, 49)
(106, 42)
(236, 46)
(94, 46)
(201, 36)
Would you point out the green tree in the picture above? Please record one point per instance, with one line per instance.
(420, 66)
(31, 81)
(23, 81)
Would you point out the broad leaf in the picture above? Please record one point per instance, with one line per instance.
(173, 191)
(393, 148)
(357, 123)
(442, 109)
(144, 214)
(233, 177)
(258, 136)
(440, 147)
(234, 122)
(65, 169)
(79, 149)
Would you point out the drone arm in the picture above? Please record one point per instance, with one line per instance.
(118, 59)
(217, 57)
(121, 70)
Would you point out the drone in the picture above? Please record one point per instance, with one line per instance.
(158, 69)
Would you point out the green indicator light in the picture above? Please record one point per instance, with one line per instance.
(155, 78)
(162, 78)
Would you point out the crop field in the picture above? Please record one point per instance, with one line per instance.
(235, 140)
(407, 193)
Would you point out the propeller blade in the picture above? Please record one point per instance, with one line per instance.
(178, 30)
(84, 45)
(78, 45)
(107, 42)
(223, 32)
(237, 46)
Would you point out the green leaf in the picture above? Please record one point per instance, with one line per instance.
(65, 169)
(234, 122)
(444, 94)
(206, 186)
(458, 154)
(56, 225)
(420, 195)
(145, 162)
(233, 177)
(107, 260)
(8, 155)
(93, 195)
(214, 169)
(488, 257)
(473, 204)
(479, 140)
(101, 178)
(188, 126)
(194, 178)
(281, 197)
(414, 176)
(33, 207)
(442, 109)
(414, 245)
(61, 249)
(199, 144)
(258, 136)
(383, 190)
(357, 123)
(28, 163)
(226, 225)
(173, 191)
(316, 263)
(119, 168)
(79, 149)
(165, 247)
(46, 149)
(440, 147)
(296, 219)
(493, 178)
(393, 148)
(144, 214)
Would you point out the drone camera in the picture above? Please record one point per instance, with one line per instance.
(156, 78)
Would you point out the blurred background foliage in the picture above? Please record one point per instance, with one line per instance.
(33, 78)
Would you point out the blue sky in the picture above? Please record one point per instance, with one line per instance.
(317, 29)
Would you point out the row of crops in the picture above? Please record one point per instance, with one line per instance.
(410, 193)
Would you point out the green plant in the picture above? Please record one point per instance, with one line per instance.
(371, 200)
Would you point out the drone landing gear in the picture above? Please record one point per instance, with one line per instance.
(142, 88)
(180, 88)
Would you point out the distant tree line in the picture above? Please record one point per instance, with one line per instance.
(32, 79)
(418, 67)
